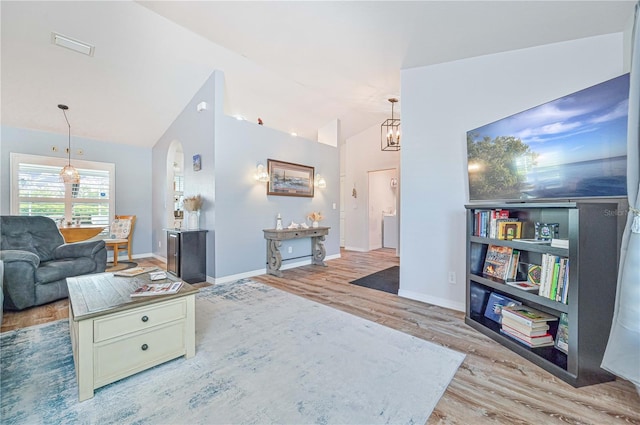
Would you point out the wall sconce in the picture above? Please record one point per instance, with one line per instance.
(320, 182)
(261, 174)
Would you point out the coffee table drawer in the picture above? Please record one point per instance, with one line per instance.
(138, 319)
(131, 354)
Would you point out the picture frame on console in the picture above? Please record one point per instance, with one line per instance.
(289, 179)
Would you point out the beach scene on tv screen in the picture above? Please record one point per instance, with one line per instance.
(571, 147)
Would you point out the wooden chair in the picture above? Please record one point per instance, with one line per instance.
(120, 235)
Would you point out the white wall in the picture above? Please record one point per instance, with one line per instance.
(439, 104)
(362, 154)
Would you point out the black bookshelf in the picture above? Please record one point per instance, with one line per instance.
(593, 229)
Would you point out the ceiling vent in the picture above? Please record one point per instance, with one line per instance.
(70, 43)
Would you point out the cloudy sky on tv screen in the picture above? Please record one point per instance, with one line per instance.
(571, 147)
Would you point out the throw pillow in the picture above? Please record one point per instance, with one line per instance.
(120, 229)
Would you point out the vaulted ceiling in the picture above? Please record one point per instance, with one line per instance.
(297, 65)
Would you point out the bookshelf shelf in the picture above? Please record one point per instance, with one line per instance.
(593, 229)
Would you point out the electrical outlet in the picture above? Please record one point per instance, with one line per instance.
(290, 249)
(452, 278)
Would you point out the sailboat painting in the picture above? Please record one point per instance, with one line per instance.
(288, 179)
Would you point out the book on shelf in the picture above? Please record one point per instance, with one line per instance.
(560, 243)
(495, 304)
(496, 216)
(525, 285)
(565, 286)
(562, 336)
(527, 315)
(508, 230)
(497, 260)
(512, 271)
(481, 223)
(151, 289)
(533, 274)
(537, 329)
(531, 339)
(563, 279)
(134, 271)
(530, 342)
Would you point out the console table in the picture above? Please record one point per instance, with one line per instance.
(274, 241)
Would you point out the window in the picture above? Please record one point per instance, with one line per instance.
(36, 189)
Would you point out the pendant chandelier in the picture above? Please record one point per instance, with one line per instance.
(390, 131)
(68, 174)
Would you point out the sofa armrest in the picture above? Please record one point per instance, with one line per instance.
(9, 256)
(19, 278)
(78, 249)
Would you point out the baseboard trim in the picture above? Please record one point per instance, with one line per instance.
(441, 302)
(125, 257)
(249, 274)
(357, 249)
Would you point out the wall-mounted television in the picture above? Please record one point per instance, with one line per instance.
(573, 147)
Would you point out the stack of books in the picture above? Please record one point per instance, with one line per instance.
(527, 325)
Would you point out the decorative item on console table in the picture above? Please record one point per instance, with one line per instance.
(192, 206)
(315, 218)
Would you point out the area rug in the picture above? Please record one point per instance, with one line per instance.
(387, 280)
(122, 265)
(263, 356)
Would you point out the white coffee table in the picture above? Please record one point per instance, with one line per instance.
(114, 336)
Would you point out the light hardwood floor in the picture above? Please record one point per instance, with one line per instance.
(493, 385)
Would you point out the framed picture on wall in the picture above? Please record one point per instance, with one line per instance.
(288, 179)
(197, 162)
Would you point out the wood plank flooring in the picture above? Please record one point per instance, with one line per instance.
(493, 385)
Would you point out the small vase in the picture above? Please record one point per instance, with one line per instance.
(315, 224)
(193, 220)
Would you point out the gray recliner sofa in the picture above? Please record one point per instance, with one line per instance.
(37, 261)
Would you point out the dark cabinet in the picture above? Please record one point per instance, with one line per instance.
(187, 254)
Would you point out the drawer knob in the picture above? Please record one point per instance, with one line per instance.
(144, 347)
(145, 319)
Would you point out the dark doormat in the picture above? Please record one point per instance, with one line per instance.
(387, 280)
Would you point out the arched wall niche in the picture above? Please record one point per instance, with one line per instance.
(175, 185)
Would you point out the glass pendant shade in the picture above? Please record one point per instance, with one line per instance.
(68, 174)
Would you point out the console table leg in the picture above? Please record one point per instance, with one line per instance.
(319, 251)
(274, 258)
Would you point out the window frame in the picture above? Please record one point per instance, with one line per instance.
(19, 158)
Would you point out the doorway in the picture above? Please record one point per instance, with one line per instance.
(382, 208)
